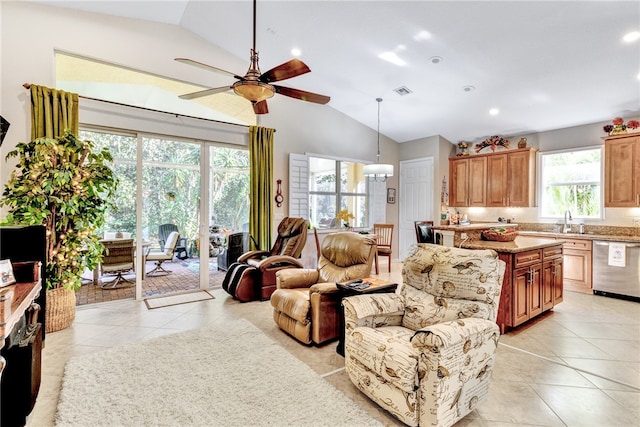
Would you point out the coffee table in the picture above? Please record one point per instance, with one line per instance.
(377, 286)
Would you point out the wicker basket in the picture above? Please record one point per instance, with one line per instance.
(61, 309)
(498, 236)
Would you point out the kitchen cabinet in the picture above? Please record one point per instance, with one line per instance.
(506, 178)
(532, 284)
(622, 171)
(511, 178)
(468, 176)
(577, 264)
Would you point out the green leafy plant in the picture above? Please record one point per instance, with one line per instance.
(65, 185)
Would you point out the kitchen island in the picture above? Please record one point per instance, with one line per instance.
(533, 278)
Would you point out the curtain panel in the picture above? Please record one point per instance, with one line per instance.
(260, 184)
(52, 112)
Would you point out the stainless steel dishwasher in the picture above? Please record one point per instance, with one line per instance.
(616, 275)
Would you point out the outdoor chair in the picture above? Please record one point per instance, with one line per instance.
(160, 256)
(163, 234)
(117, 258)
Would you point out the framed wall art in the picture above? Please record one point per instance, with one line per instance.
(391, 195)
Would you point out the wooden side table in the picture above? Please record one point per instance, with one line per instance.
(378, 286)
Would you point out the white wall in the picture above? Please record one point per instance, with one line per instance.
(28, 57)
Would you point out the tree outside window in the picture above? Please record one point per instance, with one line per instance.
(571, 180)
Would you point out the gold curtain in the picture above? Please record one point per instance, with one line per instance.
(52, 112)
(260, 182)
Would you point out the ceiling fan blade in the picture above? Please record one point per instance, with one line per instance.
(303, 95)
(261, 107)
(289, 69)
(207, 67)
(206, 92)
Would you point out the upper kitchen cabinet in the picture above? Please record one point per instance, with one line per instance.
(509, 179)
(622, 171)
(468, 177)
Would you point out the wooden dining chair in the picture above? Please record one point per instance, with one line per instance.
(384, 239)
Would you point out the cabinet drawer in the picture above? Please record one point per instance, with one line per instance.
(579, 244)
(523, 259)
(552, 252)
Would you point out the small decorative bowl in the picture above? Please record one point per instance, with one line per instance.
(497, 235)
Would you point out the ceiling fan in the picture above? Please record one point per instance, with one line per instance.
(257, 87)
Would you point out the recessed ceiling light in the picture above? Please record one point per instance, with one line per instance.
(632, 36)
(494, 111)
(392, 57)
(296, 52)
(468, 88)
(422, 35)
(436, 59)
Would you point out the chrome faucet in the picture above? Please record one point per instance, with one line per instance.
(567, 218)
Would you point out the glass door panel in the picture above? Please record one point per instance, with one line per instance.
(170, 201)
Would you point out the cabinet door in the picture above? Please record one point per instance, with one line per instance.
(520, 179)
(497, 180)
(558, 284)
(577, 269)
(459, 177)
(477, 184)
(521, 298)
(535, 290)
(622, 172)
(552, 283)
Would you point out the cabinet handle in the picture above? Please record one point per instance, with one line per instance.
(637, 199)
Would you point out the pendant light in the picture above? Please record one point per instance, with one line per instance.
(378, 170)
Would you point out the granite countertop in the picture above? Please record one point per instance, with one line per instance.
(520, 244)
(474, 226)
(562, 236)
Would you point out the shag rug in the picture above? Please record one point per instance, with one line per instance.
(228, 374)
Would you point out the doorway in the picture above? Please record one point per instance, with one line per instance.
(416, 199)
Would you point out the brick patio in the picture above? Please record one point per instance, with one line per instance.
(181, 279)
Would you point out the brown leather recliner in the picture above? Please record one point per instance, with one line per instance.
(306, 303)
(285, 253)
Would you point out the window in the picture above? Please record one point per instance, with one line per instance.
(336, 185)
(571, 180)
(171, 183)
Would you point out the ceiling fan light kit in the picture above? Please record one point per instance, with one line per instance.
(378, 170)
(256, 86)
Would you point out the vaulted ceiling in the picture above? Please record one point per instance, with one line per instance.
(543, 64)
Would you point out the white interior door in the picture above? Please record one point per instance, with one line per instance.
(416, 199)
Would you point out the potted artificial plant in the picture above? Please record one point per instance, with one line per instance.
(65, 185)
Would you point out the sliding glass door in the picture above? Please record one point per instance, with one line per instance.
(162, 189)
(171, 192)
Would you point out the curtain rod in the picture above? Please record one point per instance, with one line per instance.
(28, 86)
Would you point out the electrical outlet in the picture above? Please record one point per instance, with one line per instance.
(464, 236)
(636, 222)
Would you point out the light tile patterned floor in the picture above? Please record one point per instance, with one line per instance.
(578, 365)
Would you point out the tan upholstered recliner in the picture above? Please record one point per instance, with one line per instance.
(426, 354)
(306, 303)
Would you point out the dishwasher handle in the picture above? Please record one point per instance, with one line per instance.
(628, 245)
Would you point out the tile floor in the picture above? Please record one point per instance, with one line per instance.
(578, 365)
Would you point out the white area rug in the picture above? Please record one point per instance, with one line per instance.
(177, 299)
(229, 374)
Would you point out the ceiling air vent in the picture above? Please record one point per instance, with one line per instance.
(402, 91)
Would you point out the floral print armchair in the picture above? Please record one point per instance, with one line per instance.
(426, 353)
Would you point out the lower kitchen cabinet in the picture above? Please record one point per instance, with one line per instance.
(533, 284)
(577, 265)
